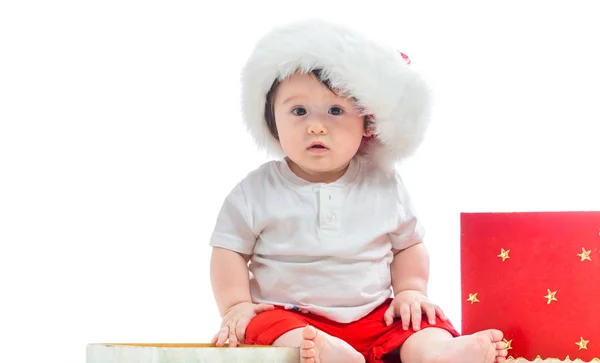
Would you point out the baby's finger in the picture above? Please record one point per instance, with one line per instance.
(222, 338)
(429, 311)
(415, 312)
(440, 313)
(405, 316)
(260, 308)
(233, 340)
(388, 316)
(240, 330)
(214, 339)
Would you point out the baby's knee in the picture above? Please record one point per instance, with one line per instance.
(267, 327)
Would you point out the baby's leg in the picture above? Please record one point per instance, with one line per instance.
(435, 345)
(318, 347)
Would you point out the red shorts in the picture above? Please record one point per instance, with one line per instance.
(369, 335)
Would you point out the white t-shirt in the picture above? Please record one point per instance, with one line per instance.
(324, 248)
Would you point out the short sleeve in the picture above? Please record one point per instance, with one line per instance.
(409, 229)
(233, 229)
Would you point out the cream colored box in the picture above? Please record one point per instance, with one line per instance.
(187, 353)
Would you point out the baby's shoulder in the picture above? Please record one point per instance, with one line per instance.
(383, 183)
(372, 174)
(264, 176)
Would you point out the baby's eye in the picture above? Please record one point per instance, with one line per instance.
(299, 111)
(336, 111)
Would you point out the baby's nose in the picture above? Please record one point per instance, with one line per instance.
(317, 128)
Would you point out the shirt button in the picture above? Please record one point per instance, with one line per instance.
(330, 218)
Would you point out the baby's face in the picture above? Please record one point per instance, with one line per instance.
(319, 131)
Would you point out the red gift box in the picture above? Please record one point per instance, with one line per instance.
(536, 277)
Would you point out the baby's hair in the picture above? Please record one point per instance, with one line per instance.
(270, 105)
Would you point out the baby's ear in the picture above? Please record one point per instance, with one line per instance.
(369, 126)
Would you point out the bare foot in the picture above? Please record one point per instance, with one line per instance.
(483, 347)
(318, 347)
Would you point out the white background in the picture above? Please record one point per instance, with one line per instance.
(120, 135)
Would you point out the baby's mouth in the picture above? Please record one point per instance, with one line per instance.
(317, 148)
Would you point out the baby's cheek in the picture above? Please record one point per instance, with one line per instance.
(288, 139)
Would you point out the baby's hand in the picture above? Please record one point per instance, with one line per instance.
(235, 322)
(411, 304)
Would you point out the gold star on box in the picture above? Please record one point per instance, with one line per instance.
(585, 255)
(472, 298)
(503, 254)
(551, 296)
(508, 344)
(582, 343)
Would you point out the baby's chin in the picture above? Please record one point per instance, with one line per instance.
(323, 166)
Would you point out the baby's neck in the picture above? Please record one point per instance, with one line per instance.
(325, 177)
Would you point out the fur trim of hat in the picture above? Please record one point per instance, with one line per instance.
(378, 77)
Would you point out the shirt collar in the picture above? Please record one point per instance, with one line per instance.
(345, 180)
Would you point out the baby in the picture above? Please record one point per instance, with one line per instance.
(321, 249)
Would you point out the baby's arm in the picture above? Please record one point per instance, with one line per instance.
(230, 281)
(229, 277)
(410, 275)
(410, 269)
(233, 241)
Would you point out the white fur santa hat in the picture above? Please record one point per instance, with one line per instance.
(378, 77)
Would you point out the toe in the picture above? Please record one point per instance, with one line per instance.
(309, 333)
(307, 353)
(307, 344)
(496, 335)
